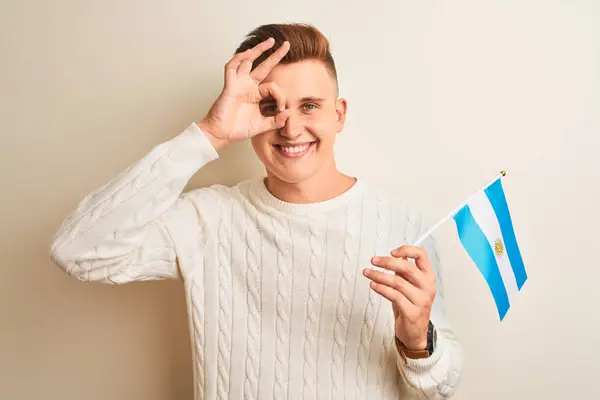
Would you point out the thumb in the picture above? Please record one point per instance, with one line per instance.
(279, 120)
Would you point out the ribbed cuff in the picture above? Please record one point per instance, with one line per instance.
(200, 142)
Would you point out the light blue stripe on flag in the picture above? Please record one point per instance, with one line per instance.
(495, 194)
(482, 254)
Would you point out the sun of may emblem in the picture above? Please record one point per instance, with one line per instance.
(499, 247)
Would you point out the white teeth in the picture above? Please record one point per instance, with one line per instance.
(295, 149)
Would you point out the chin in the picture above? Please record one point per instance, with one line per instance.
(287, 177)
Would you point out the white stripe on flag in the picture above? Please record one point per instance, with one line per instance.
(486, 218)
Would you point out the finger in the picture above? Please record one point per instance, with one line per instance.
(261, 72)
(280, 119)
(255, 52)
(401, 267)
(276, 121)
(235, 62)
(416, 253)
(231, 70)
(244, 68)
(395, 282)
(251, 54)
(272, 90)
(403, 305)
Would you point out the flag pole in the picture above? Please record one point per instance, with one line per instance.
(457, 209)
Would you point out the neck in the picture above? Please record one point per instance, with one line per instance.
(320, 187)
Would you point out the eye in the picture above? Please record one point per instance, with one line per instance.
(268, 109)
(309, 107)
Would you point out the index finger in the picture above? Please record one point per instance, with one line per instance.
(416, 253)
(250, 54)
(253, 53)
(261, 72)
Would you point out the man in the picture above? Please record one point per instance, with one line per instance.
(281, 298)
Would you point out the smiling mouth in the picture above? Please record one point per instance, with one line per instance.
(294, 151)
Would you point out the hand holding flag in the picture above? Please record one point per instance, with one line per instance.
(486, 232)
(411, 289)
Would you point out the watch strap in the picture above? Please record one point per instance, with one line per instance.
(418, 354)
(408, 353)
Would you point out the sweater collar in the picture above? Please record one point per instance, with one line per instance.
(260, 194)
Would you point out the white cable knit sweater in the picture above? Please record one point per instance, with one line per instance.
(277, 303)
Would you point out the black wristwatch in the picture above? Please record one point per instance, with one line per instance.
(431, 338)
(425, 353)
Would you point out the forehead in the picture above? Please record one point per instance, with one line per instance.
(308, 78)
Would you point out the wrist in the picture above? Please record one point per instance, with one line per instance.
(216, 142)
(415, 345)
(419, 348)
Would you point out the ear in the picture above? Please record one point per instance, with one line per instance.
(340, 109)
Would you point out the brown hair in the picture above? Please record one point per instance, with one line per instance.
(306, 43)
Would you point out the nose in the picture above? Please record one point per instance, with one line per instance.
(293, 128)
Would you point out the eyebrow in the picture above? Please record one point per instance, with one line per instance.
(308, 99)
(311, 99)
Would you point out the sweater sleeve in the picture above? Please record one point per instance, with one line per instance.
(119, 233)
(438, 376)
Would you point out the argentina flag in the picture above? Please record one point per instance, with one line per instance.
(486, 231)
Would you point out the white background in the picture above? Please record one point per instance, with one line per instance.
(442, 95)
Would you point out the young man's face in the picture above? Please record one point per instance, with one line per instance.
(304, 146)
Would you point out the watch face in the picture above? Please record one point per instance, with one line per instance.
(431, 337)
